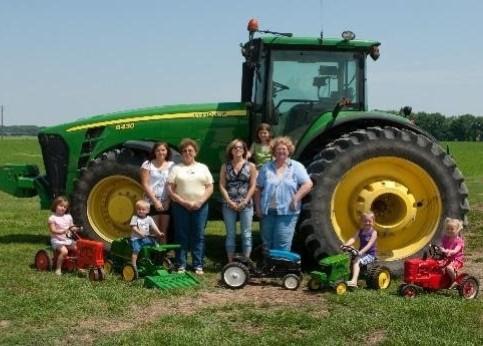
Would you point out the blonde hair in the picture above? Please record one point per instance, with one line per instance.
(142, 204)
(457, 222)
(282, 141)
(368, 215)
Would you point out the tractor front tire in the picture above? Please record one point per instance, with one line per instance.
(405, 178)
(106, 193)
(469, 287)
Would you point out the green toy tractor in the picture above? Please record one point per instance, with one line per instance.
(154, 264)
(336, 270)
(333, 273)
(313, 89)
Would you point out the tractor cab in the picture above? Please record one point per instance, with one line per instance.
(289, 82)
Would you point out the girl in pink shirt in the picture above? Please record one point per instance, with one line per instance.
(452, 246)
(59, 224)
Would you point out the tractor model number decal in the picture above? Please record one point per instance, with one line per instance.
(124, 126)
(209, 115)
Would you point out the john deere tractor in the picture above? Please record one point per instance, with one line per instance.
(312, 89)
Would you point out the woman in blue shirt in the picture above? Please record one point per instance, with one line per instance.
(281, 185)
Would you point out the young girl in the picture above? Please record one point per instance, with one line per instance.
(59, 224)
(154, 174)
(260, 150)
(367, 249)
(452, 246)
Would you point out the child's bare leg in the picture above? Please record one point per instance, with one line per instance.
(452, 275)
(355, 272)
(134, 259)
(62, 253)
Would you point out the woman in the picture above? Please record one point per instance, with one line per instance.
(237, 186)
(281, 185)
(154, 175)
(190, 184)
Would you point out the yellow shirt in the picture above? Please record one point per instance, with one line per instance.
(189, 181)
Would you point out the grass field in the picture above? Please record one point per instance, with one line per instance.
(41, 308)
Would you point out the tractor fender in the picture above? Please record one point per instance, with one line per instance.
(325, 129)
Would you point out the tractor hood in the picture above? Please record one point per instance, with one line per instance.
(151, 114)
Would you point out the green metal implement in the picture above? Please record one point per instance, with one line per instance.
(165, 280)
(19, 180)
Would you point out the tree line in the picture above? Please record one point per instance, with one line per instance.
(465, 127)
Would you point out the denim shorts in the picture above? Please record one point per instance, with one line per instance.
(366, 259)
(137, 244)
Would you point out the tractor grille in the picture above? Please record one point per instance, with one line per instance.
(55, 155)
(91, 138)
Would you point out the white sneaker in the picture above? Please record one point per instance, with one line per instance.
(58, 271)
(199, 271)
(181, 270)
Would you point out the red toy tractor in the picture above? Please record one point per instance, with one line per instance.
(429, 274)
(88, 255)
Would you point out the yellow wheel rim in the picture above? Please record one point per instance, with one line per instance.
(384, 279)
(404, 198)
(128, 273)
(341, 288)
(108, 267)
(110, 205)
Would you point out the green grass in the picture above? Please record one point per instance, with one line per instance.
(41, 308)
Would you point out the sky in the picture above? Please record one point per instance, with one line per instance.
(65, 60)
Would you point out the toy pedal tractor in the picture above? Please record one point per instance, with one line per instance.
(429, 274)
(335, 271)
(275, 264)
(153, 264)
(88, 255)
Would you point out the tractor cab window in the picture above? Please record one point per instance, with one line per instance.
(306, 84)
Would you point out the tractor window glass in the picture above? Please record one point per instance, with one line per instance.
(306, 84)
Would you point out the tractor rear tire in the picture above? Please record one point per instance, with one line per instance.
(235, 275)
(405, 178)
(43, 260)
(378, 277)
(105, 195)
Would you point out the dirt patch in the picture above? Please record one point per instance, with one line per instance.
(4, 323)
(376, 337)
(258, 296)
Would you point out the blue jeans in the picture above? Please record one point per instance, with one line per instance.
(137, 244)
(230, 217)
(189, 233)
(278, 230)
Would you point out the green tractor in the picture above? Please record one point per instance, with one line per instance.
(312, 89)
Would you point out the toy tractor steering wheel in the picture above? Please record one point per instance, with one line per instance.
(436, 252)
(73, 232)
(349, 249)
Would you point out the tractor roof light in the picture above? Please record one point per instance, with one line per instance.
(348, 35)
(252, 25)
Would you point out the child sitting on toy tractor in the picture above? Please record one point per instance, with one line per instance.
(335, 271)
(273, 264)
(431, 274)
